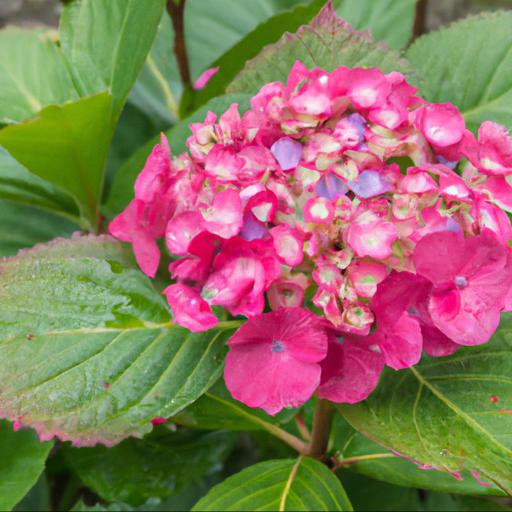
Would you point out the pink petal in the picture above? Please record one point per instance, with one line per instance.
(288, 243)
(189, 309)
(351, 370)
(204, 77)
(181, 230)
(318, 211)
(442, 124)
(225, 216)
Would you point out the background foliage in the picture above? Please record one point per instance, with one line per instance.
(87, 352)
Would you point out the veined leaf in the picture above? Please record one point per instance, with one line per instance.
(328, 42)
(458, 65)
(66, 146)
(33, 73)
(302, 484)
(106, 43)
(388, 20)
(452, 413)
(362, 455)
(88, 352)
(21, 463)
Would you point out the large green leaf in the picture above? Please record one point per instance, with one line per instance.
(451, 413)
(388, 20)
(22, 226)
(19, 185)
(469, 64)
(121, 190)
(88, 352)
(328, 42)
(267, 32)
(304, 484)
(211, 29)
(21, 463)
(358, 453)
(217, 410)
(106, 43)
(67, 146)
(33, 73)
(162, 464)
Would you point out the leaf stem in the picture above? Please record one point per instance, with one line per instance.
(302, 427)
(338, 463)
(176, 10)
(321, 429)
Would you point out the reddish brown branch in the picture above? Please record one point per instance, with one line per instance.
(420, 19)
(176, 10)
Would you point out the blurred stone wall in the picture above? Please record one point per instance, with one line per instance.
(440, 12)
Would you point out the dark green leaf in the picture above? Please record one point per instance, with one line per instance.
(21, 463)
(451, 413)
(33, 73)
(88, 352)
(121, 191)
(328, 42)
(161, 465)
(67, 146)
(106, 43)
(37, 499)
(459, 64)
(266, 33)
(37, 226)
(304, 484)
(360, 454)
(387, 20)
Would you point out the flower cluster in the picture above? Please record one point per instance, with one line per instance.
(367, 220)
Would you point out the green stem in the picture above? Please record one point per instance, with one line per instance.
(321, 429)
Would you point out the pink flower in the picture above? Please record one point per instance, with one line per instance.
(470, 279)
(224, 217)
(351, 370)
(287, 152)
(204, 77)
(494, 152)
(273, 359)
(441, 124)
(189, 309)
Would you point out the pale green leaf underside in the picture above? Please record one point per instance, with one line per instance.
(469, 64)
(22, 461)
(88, 352)
(441, 412)
(304, 484)
(328, 42)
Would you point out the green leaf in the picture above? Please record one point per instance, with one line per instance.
(267, 32)
(33, 73)
(358, 453)
(19, 185)
(458, 64)
(216, 410)
(37, 226)
(161, 465)
(304, 484)
(387, 20)
(67, 146)
(106, 43)
(21, 463)
(211, 29)
(443, 412)
(99, 507)
(328, 42)
(121, 191)
(37, 499)
(88, 352)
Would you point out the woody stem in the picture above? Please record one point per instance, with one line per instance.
(176, 11)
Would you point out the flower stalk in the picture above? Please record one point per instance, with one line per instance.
(176, 10)
(321, 429)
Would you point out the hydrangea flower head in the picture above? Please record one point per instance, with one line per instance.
(341, 193)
